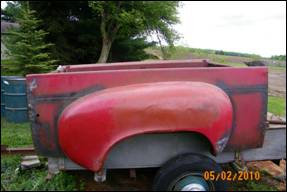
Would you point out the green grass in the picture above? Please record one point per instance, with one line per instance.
(4, 70)
(277, 68)
(253, 186)
(265, 183)
(15, 135)
(14, 179)
(277, 105)
(181, 52)
(256, 186)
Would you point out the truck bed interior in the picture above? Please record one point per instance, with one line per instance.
(198, 63)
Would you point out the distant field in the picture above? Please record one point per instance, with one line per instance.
(180, 52)
(276, 73)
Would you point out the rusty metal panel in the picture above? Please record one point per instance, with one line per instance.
(69, 84)
(136, 65)
(153, 150)
(114, 114)
(49, 94)
(5, 150)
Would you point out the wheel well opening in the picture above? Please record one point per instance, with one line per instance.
(153, 149)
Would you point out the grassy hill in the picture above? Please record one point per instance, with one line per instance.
(223, 57)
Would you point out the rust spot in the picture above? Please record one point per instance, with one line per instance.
(33, 85)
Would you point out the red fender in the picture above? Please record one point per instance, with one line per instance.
(90, 126)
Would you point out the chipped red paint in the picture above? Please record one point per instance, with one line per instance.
(90, 126)
(137, 65)
(249, 126)
(47, 121)
(49, 94)
(63, 83)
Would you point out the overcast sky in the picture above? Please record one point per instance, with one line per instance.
(251, 27)
(248, 27)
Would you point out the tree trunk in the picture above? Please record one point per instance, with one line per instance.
(106, 46)
(164, 55)
(108, 31)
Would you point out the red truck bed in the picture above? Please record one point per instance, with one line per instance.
(50, 94)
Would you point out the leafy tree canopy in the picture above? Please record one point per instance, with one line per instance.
(131, 18)
(11, 11)
(74, 27)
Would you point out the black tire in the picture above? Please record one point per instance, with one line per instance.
(276, 161)
(188, 165)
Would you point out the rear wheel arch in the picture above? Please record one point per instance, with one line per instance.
(198, 143)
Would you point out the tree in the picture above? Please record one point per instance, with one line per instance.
(134, 18)
(279, 57)
(11, 11)
(75, 30)
(26, 45)
(128, 49)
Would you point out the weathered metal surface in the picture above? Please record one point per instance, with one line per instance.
(114, 114)
(49, 94)
(19, 150)
(135, 65)
(147, 150)
(153, 150)
(274, 147)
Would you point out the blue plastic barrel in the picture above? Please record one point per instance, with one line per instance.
(2, 94)
(2, 97)
(15, 97)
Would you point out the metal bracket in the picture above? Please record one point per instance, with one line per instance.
(239, 164)
(133, 174)
(101, 176)
(53, 167)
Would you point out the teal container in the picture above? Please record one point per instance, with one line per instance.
(15, 97)
(2, 94)
(2, 97)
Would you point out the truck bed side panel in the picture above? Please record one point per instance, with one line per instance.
(48, 95)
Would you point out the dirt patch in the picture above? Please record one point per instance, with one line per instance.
(119, 180)
(277, 83)
(265, 183)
